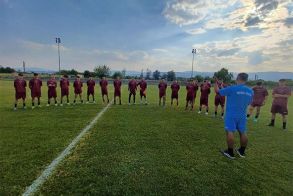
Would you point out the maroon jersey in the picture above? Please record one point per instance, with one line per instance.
(104, 84)
(142, 85)
(220, 100)
(132, 86)
(91, 86)
(52, 85)
(35, 85)
(77, 86)
(175, 87)
(191, 89)
(259, 96)
(205, 90)
(117, 85)
(282, 90)
(64, 84)
(20, 85)
(162, 88)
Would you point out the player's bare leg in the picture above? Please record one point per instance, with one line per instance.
(230, 143)
(250, 111)
(23, 104)
(160, 101)
(272, 124)
(129, 98)
(15, 104)
(177, 102)
(75, 97)
(192, 105)
(216, 110)
(33, 103)
(134, 99)
(222, 111)
(120, 103)
(164, 101)
(243, 143)
(80, 98)
(171, 101)
(284, 117)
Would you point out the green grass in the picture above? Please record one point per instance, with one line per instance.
(138, 149)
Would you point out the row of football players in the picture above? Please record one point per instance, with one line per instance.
(192, 87)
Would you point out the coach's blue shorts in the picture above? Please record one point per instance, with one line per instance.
(233, 124)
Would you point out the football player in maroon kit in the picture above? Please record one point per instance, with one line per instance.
(142, 90)
(20, 90)
(162, 92)
(117, 89)
(91, 89)
(35, 85)
(175, 87)
(104, 89)
(52, 93)
(191, 89)
(132, 87)
(219, 100)
(281, 95)
(205, 90)
(64, 85)
(77, 85)
(259, 99)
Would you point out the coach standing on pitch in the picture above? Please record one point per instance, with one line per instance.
(238, 99)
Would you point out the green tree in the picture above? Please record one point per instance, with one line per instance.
(102, 71)
(86, 74)
(6, 70)
(156, 75)
(171, 75)
(224, 75)
(117, 74)
(199, 78)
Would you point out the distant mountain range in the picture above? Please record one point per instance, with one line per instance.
(273, 76)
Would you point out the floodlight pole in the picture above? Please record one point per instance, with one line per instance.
(58, 41)
(193, 53)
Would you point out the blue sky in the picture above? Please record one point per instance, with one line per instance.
(241, 35)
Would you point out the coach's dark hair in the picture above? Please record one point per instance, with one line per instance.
(243, 77)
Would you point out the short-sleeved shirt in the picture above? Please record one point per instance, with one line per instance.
(282, 90)
(117, 85)
(104, 84)
(162, 87)
(91, 85)
(205, 90)
(77, 85)
(35, 85)
(260, 94)
(52, 84)
(64, 84)
(191, 89)
(19, 85)
(142, 85)
(238, 98)
(175, 87)
(132, 85)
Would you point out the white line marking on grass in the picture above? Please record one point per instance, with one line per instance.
(50, 168)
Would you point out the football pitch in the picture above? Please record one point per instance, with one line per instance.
(138, 149)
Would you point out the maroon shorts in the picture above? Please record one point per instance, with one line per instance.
(64, 92)
(219, 100)
(174, 95)
(36, 94)
(162, 94)
(189, 98)
(104, 92)
(117, 93)
(20, 95)
(90, 92)
(77, 91)
(204, 101)
(281, 109)
(142, 93)
(52, 94)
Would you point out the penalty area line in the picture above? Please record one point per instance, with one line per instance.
(50, 168)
